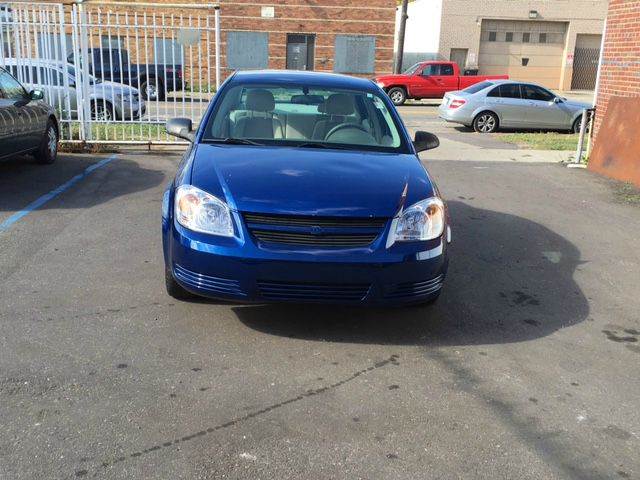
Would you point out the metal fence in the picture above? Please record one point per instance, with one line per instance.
(115, 71)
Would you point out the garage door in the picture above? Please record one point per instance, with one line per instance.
(525, 50)
(585, 62)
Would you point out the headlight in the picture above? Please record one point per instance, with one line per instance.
(201, 212)
(421, 221)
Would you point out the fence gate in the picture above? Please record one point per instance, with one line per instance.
(115, 71)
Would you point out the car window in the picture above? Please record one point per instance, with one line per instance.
(475, 88)
(510, 90)
(533, 92)
(446, 69)
(431, 69)
(48, 77)
(10, 87)
(412, 69)
(352, 119)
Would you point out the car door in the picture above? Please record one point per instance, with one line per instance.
(444, 78)
(17, 116)
(506, 101)
(541, 110)
(426, 85)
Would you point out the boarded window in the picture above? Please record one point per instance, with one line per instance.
(168, 52)
(508, 37)
(492, 36)
(355, 54)
(247, 50)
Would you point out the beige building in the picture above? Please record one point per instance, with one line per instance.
(552, 42)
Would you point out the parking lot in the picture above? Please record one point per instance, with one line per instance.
(528, 367)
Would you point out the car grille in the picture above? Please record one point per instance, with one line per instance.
(314, 292)
(206, 282)
(414, 289)
(345, 232)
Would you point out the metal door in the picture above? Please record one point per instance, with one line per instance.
(585, 68)
(300, 52)
(459, 55)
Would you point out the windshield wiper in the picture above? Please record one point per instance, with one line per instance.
(320, 145)
(233, 141)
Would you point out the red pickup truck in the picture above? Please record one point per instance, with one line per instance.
(429, 80)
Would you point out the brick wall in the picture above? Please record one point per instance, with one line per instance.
(620, 71)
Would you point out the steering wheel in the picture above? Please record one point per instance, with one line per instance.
(344, 126)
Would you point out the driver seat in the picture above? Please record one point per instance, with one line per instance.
(337, 106)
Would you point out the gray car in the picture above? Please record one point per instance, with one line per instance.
(28, 125)
(490, 105)
(108, 100)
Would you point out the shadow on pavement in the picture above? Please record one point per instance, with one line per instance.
(510, 280)
(23, 180)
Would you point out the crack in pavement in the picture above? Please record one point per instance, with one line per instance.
(393, 359)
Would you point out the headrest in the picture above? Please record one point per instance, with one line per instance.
(338, 104)
(260, 100)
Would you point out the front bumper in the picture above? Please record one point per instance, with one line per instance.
(245, 271)
(131, 111)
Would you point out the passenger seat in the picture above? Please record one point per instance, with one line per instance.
(259, 121)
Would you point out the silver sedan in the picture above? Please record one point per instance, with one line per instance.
(487, 106)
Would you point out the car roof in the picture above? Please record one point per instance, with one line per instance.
(288, 77)
(28, 62)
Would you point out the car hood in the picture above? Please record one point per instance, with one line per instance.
(389, 79)
(284, 180)
(578, 105)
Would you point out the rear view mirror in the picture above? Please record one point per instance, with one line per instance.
(425, 141)
(181, 128)
(36, 95)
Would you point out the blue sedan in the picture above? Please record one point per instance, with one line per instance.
(303, 187)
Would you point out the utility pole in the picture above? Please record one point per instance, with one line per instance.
(401, 30)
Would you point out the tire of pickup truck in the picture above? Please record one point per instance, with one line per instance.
(398, 95)
(152, 89)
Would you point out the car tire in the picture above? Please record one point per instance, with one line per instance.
(397, 95)
(102, 112)
(485, 122)
(174, 289)
(48, 150)
(576, 125)
(152, 89)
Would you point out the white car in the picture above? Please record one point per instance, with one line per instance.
(108, 100)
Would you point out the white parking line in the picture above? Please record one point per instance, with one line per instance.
(4, 226)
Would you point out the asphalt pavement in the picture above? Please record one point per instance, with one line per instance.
(527, 368)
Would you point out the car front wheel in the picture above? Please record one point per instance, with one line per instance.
(577, 124)
(397, 95)
(485, 122)
(174, 289)
(48, 150)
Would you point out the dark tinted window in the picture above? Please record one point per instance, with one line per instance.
(526, 37)
(477, 87)
(532, 92)
(508, 37)
(494, 93)
(446, 69)
(542, 38)
(492, 36)
(510, 90)
(10, 88)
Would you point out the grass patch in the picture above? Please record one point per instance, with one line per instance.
(627, 193)
(542, 141)
(118, 132)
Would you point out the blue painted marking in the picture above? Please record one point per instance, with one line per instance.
(52, 194)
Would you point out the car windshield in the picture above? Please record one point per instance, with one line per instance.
(412, 69)
(304, 116)
(72, 72)
(477, 87)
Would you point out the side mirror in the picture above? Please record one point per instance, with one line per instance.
(36, 95)
(425, 141)
(558, 100)
(181, 128)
